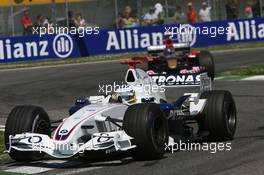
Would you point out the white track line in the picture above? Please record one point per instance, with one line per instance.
(78, 171)
(28, 170)
(2, 127)
(42, 166)
(255, 78)
(107, 162)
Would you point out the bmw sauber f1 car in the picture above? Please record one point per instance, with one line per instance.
(172, 58)
(131, 119)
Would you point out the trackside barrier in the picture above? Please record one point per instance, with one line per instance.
(29, 48)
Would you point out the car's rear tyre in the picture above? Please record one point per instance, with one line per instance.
(23, 119)
(219, 116)
(206, 60)
(147, 124)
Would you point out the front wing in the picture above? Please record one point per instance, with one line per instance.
(109, 141)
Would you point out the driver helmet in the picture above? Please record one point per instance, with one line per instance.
(129, 97)
(127, 94)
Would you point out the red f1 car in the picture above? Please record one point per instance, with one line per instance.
(179, 59)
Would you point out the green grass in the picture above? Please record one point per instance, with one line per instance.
(3, 156)
(235, 46)
(1, 142)
(245, 71)
(50, 62)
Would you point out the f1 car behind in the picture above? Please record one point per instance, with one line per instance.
(129, 120)
(173, 58)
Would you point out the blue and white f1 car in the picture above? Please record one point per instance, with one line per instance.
(128, 120)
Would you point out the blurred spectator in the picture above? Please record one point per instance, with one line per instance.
(232, 10)
(205, 13)
(179, 16)
(151, 17)
(118, 20)
(191, 14)
(159, 12)
(256, 9)
(47, 22)
(127, 19)
(80, 20)
(71, 20)
(39, 21)
(248, 10)
(27, 23)
(155, 16)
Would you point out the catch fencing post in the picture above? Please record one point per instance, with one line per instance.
(12, 18)
(67, 10)
(116, 14)
(167, 9)
(139, 11)
(261, 7)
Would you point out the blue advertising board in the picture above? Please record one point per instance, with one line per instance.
(198, 35)
(28, 48)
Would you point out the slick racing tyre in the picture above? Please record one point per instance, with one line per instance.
(147, 124)
(23, 119)
(219, 116)
(206, 60)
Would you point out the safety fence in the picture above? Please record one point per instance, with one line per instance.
(103, 13)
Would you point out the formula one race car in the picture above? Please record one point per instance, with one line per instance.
(131, 119)
(173, 58)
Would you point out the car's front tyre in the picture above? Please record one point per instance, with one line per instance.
(147, 124)
(219, 116)
(32, 119)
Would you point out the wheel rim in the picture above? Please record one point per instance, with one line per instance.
(230, 114)
(158, 132)
(40, 126)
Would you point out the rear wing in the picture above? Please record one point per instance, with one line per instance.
(183, 81)
(177, 47)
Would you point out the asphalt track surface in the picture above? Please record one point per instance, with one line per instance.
(56, 88)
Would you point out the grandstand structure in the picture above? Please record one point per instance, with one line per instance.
(100, 13)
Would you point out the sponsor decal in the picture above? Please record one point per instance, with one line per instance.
(63, 132)
(132, 39)
(35, 139)
(187, 34)
(245, 30)
(16, 49)
(172, 80)
(21, 50)
(104, 137)
(63, 45)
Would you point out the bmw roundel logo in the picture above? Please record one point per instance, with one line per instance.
(35, 139)
(63, 45)
(64, 132)
(187, 34)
